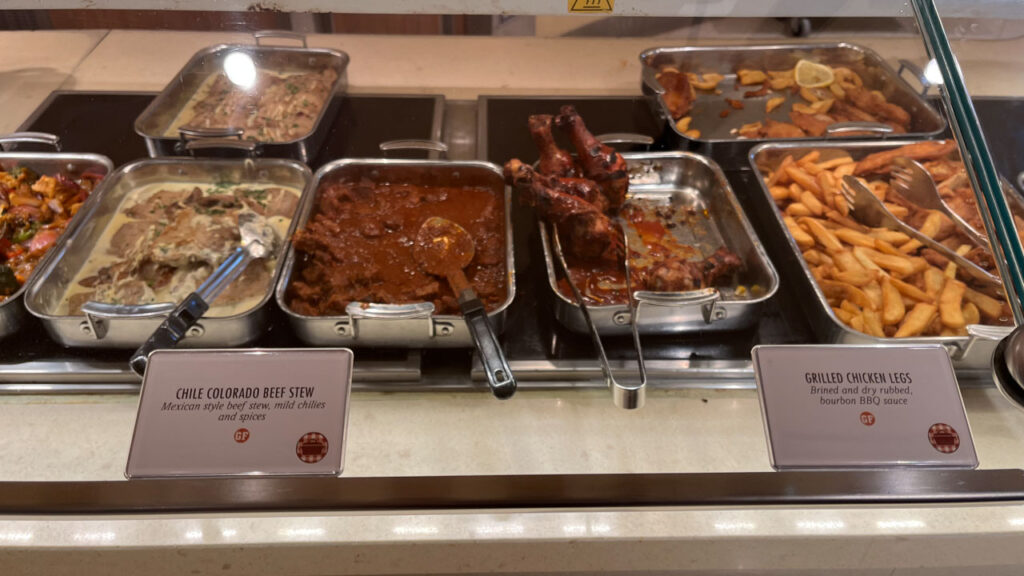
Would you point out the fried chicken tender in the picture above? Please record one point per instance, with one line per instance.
(679, 94)
(773, 129)
(875, 104)
(813, 125)
(880, 162)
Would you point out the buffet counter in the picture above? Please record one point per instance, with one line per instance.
(63, 437)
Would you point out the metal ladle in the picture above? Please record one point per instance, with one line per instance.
(443, 248)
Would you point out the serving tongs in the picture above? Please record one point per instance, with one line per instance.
(872, 212)
(913, 181)
(628, 396)
(258, 240)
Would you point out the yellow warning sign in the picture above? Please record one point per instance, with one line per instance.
(591, 6)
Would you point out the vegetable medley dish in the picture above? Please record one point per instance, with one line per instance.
(34, 211)
(878, 281)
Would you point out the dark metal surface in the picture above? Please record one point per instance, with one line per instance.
(512, 492)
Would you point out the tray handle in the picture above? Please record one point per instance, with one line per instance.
(98, 314)
(357, 311)
(286, 34)
(37, 137)
(626, 138)
(840, 128)
(706, 298)
(917, 72)
(977, 333)
(248, 146)
(188, 133)
(415, 144)
(650, 79)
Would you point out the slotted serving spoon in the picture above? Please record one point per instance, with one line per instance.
(258, 240)
(443, 248)
(872, 212)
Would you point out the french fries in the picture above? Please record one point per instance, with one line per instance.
(915, 322)
(893, 308)
(877, 281)
(950, 304)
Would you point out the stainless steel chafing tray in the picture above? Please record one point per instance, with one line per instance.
(972, 352)
(72, 165)
(717, 136)
(129, 326)
(399, 325)
(682, 179)
(155, 121)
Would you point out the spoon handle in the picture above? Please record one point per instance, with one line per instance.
(499, 374)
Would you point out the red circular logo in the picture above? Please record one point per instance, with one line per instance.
(867, 418)
(241, 435)
(944, 438)
(311, 448)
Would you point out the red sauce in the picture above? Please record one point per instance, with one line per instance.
(358, 246)
(651, 245)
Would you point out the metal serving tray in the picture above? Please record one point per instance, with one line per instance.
(682, 179)
(129, 326)
(972, 352)
(155, 120)
(728, 148)
(399, 325)
(73, 165)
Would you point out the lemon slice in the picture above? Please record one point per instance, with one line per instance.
(813, 75)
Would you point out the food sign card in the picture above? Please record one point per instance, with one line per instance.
(862, 407)
(242, 412)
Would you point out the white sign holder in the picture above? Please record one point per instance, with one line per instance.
(242, 412)
(862, 407)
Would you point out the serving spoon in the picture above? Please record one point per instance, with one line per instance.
(443, 248)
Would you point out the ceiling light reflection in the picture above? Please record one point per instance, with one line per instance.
(240, 69)
(821, 525)
(932, 73)
(899, 524)
(16, 536)
(302, 532)
(414, 530)
(735, 526)
(94, 536)
(498, 529)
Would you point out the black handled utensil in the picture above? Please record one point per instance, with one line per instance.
(258, 240)
(443, 248)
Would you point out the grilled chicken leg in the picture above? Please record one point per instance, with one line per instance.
(591, 234)
(601, 163)
(553, 160)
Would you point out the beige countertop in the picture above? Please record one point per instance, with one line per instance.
(572, 431)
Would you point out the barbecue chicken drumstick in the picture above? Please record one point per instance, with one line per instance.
(600, 163)
(591, 235)
(553, 160)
